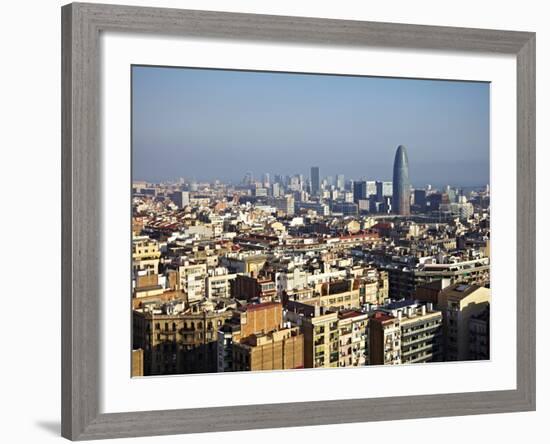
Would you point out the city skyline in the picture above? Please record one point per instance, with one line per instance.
(319, 120)
(284, 221)
(306, 175)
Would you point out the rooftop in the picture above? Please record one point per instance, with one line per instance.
(396, 305)
(461, 290)
(346, 314)
(264, 305)
(383, 317)
(434, 285)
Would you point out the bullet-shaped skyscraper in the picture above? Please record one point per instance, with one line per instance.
(401, 203)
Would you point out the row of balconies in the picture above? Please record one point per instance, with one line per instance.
(412, 350)
(409, 341)
(425, 327)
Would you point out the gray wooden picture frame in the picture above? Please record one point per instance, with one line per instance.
(81, 253)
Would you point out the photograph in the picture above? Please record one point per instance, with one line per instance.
(274, 222)
(291, 221)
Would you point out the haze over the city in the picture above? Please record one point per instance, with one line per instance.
(217, 124)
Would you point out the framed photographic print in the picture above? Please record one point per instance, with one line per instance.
(292, 221)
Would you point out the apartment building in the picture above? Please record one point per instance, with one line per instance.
(421, 330)
(145, 256)
(480, 338)
(192, 280)
(276, 350)
(353, 338)
(384, 339)
(253, 288)
(176, 339)
(137, 363)
(321, 347)
(459, 303)
(255, 327)
(405, 279)
(218, 283)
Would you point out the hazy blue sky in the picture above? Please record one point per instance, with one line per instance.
(207, 124)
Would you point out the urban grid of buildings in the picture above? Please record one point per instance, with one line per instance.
(291, 272)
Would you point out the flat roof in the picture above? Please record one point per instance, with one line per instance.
(462, 289)
(400, 304)
(253, 307)
(345, 314)
(383, 317)
(434, 285)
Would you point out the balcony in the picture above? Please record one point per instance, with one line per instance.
(431, 346)
(426, 328)
(406, 343)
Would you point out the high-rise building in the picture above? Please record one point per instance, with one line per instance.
(420, 199)
(248, 179)
(340, 182)
(295, 183)
(383, 190)
(371, 188)
(359, 190)
(180, 198)
(315, 184)
(401, 186)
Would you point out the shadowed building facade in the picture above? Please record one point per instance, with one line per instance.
(315, 181)
(401, 202)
